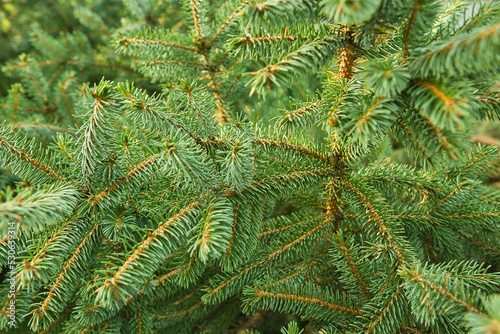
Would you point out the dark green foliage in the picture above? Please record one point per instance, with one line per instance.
(347, 193)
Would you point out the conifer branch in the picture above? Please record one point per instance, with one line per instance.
(289, 277)
(62, 145)
(256, 40)
(302, 110)
(441, 138)
(272, 256)
(48, 46)
(307, 268)
(25, 64)
(61, 15)
(347, 57)
(16, 103)
(333, 194)
(19, 125)
(280, 229)
(124, 179)
(410, 330)
(284, 179)
(233, 231)
(63, 88)
(436, 91)
(419, 144)
(296, 62)
(96, 125)
(447, 197)
(448, 55)
(483, 154)
(477, 215)
(352, 266)
(479, 243)
(36, 85)
(299, 239)
(55, 322)
(142, 252)
(221, 115)
(228, 21)
(58, 292)
(301, 117)
(51, 325)
(236, 219)
(426, 284)
(42, 253)
(181, 313)
(20, 154)
(152, 63)
(284, 145)
(382, 314)
(125, 42)
(406, 35)
(263, 294)
(375, 218)
(196, 18)
(267, 142)
(160, 280)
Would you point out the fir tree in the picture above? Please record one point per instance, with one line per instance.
(173, 210)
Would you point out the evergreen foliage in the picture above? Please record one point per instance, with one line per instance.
(52, 48)
(175, 207)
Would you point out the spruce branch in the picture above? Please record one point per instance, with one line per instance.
(417, 5)
(160, 242)
(282, 184)
(157, 64)
(445, 144)
(143, 167)
(34, 209)
(50, 255)
(425, 284)
(228, 21)
(384, 317)
(226, 288)
(260, 294)
(308, 56)
(334, 204)
(414, 139)
(53, 305)
(462, 54)
(196, 18)
(126, 42)
(376, 219)
(98, 127)
(479, 243)
(300, 117)
(8, 141)
(289, 146)
(302, 300)
(352, 266)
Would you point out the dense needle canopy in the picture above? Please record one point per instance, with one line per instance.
(234, 166)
